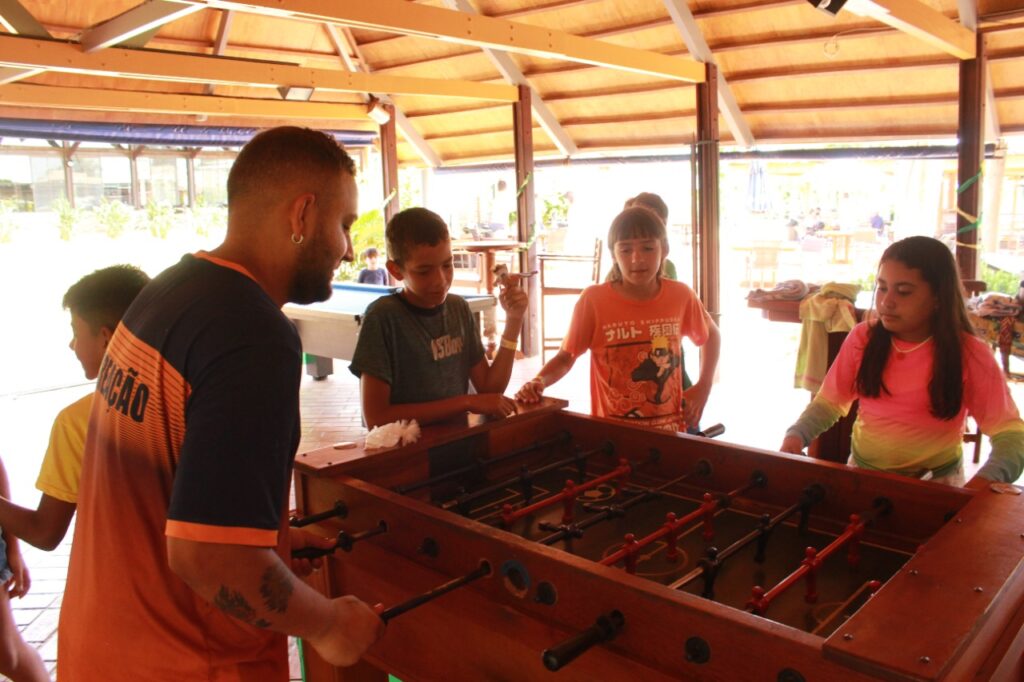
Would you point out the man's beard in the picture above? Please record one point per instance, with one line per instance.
(312, 280)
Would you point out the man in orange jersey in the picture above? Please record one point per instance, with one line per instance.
(179, 565)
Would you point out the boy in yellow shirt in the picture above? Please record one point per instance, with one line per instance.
(96, 303)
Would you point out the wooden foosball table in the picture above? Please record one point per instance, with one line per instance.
(552, 545)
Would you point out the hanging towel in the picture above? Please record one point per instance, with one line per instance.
(829, 310)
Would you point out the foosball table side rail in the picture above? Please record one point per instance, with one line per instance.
(498, 627)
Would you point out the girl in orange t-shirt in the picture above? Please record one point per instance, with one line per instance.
(632, 324)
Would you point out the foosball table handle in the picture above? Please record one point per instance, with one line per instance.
(712, 431)
(604, 629)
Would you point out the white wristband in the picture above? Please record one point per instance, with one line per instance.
(540, 380)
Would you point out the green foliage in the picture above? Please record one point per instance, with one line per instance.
(113, 216)
(1000, 280)
(7, 223)
(159, 218)
(205, 218)
(367, 231)
(556, 209)
(67, 218)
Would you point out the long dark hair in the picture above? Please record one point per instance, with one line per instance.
(949, 322)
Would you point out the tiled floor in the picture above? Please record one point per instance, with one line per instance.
(751, 397)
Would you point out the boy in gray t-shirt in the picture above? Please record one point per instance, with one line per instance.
(419, 349)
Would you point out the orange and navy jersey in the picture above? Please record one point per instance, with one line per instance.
(194, 428)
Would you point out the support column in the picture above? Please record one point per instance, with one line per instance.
(389, 162)
(133, 167)
(522, 124)
(67, 152)
(190, 169)
(708, 279)
(971, 132)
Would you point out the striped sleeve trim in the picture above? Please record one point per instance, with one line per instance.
(228, 535)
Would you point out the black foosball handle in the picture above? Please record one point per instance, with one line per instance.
(340, 510)
(604, 629)
(712, 431)
(480, 572)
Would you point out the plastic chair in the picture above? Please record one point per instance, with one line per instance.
(559, 287)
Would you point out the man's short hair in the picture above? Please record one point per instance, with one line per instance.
(102, 297)
(412, 227)
(285, 152)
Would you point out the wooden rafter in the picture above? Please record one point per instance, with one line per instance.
(969, 18)
(95, 99)
(220, 43)
(343, 41)
(918, 19)
(59, 56)
(698, 47)
(18, 20)
(145, 18)
(514, 76)
(399, 16)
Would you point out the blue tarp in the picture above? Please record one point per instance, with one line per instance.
(166, 135)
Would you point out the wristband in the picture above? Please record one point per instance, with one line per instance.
(508, 343)
(540, 379)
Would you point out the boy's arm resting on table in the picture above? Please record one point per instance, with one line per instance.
(20, 581)
(378, 409)
(556, 368)
(44, 527)
(696, 397)
(254, 585)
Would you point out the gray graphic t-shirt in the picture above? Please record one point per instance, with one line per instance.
(423, 354)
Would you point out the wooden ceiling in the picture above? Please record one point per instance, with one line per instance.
(608, 77)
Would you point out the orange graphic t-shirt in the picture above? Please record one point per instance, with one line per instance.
(635, 362)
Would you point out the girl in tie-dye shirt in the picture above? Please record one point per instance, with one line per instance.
(917, 370)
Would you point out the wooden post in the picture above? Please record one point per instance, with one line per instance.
(190, 168)
(971, 131)
(67, 153)
(389, 162)
(522, 123)
(708, 279)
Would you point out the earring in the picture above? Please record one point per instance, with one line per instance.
(299, 240)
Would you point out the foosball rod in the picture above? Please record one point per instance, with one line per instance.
(870, 586)
(702, 469)
(462, 500)
(398, 609)
(561, 438)
(571, 491)
(344, 542)
(810, 496)
(760, 599)
(672, 526)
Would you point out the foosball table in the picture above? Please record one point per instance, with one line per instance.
(552, 545)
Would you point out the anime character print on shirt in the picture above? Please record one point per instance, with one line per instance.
(644, 375)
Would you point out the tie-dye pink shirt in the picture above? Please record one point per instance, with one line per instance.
(896, 430)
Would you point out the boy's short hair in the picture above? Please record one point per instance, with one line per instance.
(102, 297)
(370, 253)
(412, 227)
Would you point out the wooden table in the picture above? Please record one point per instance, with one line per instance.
(951, 609)
(840, 244)
(489, 249)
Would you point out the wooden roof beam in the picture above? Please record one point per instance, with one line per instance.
(969, 19)
(144, 19)
(919, 20)
(18, 20)
(514, 76)
(21, 94)
(220, 44)
(343, 41)
(60, 56)
(399, 16)
(698, 47)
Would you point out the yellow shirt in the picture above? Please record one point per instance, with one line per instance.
(62, 465)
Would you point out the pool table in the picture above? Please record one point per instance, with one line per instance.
(329, 329)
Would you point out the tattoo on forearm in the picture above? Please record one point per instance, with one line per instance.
(234, 604)
(276, 588)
